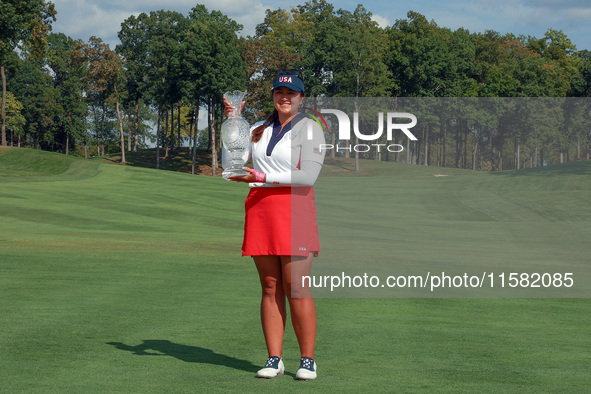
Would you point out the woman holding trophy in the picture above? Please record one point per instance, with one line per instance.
(280, 230)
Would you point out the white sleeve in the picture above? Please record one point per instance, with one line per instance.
(305, 176)
(311, 139)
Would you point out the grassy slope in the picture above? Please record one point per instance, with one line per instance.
(125, 279)
(177, 160)
(405, 219)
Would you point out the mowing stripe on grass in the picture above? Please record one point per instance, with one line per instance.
(119, 279)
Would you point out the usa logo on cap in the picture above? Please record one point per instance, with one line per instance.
(290, 80)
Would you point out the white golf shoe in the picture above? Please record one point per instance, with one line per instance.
(273, 368)
(307, 369)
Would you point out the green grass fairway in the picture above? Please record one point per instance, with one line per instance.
(124, 279)
(414, 220)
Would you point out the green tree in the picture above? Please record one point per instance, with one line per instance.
(22, 21)
(67, 79)
(414, 56)
(581, 82)
(278, 43)
(581, 87)
(222, 67)
(317, 48)
(42, 109)
(134, 37)
(556, 46)
(163, 57)
(104, 79)
(429, 61)
(15, 121)
(359, 70)
(262, 59)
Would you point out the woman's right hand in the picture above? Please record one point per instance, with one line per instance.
(229, 108)
(253, 176)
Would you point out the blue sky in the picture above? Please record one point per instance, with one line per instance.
(82, 19)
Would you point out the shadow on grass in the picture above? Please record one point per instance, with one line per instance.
(189, 354)
(179, 160)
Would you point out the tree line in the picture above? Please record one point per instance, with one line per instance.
(82, 97)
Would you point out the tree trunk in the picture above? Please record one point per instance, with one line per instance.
(129, 132)
(195, 129)
(178, 127)
(378, 154)
(214, 153)
(3, 111)
(480, 157)
(158, 140)
(190, 131)
(427, 129)
(408, 159)
(439, 148)
(458, 147)
(465, 142)
(136, 125)
(102, 142)
(517, 154)
(356, 155)
(122, 133)
(165, 134)
(98, 153)
(459, 143)
(444, 143)
(171, 143)
(348, 147)
(492, 151)
(417, 155)
(474, 153)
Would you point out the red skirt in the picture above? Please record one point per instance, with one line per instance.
(280, 221)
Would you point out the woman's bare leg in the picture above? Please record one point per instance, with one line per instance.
(301, 303)
(273, 312)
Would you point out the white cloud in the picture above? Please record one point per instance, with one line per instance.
(79, 19)
(520, 17)
(82, 19)
(102, 18)
(380, 20)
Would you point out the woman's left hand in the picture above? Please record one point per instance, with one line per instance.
(228, 108)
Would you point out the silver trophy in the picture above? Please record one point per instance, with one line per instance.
(235, 135)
